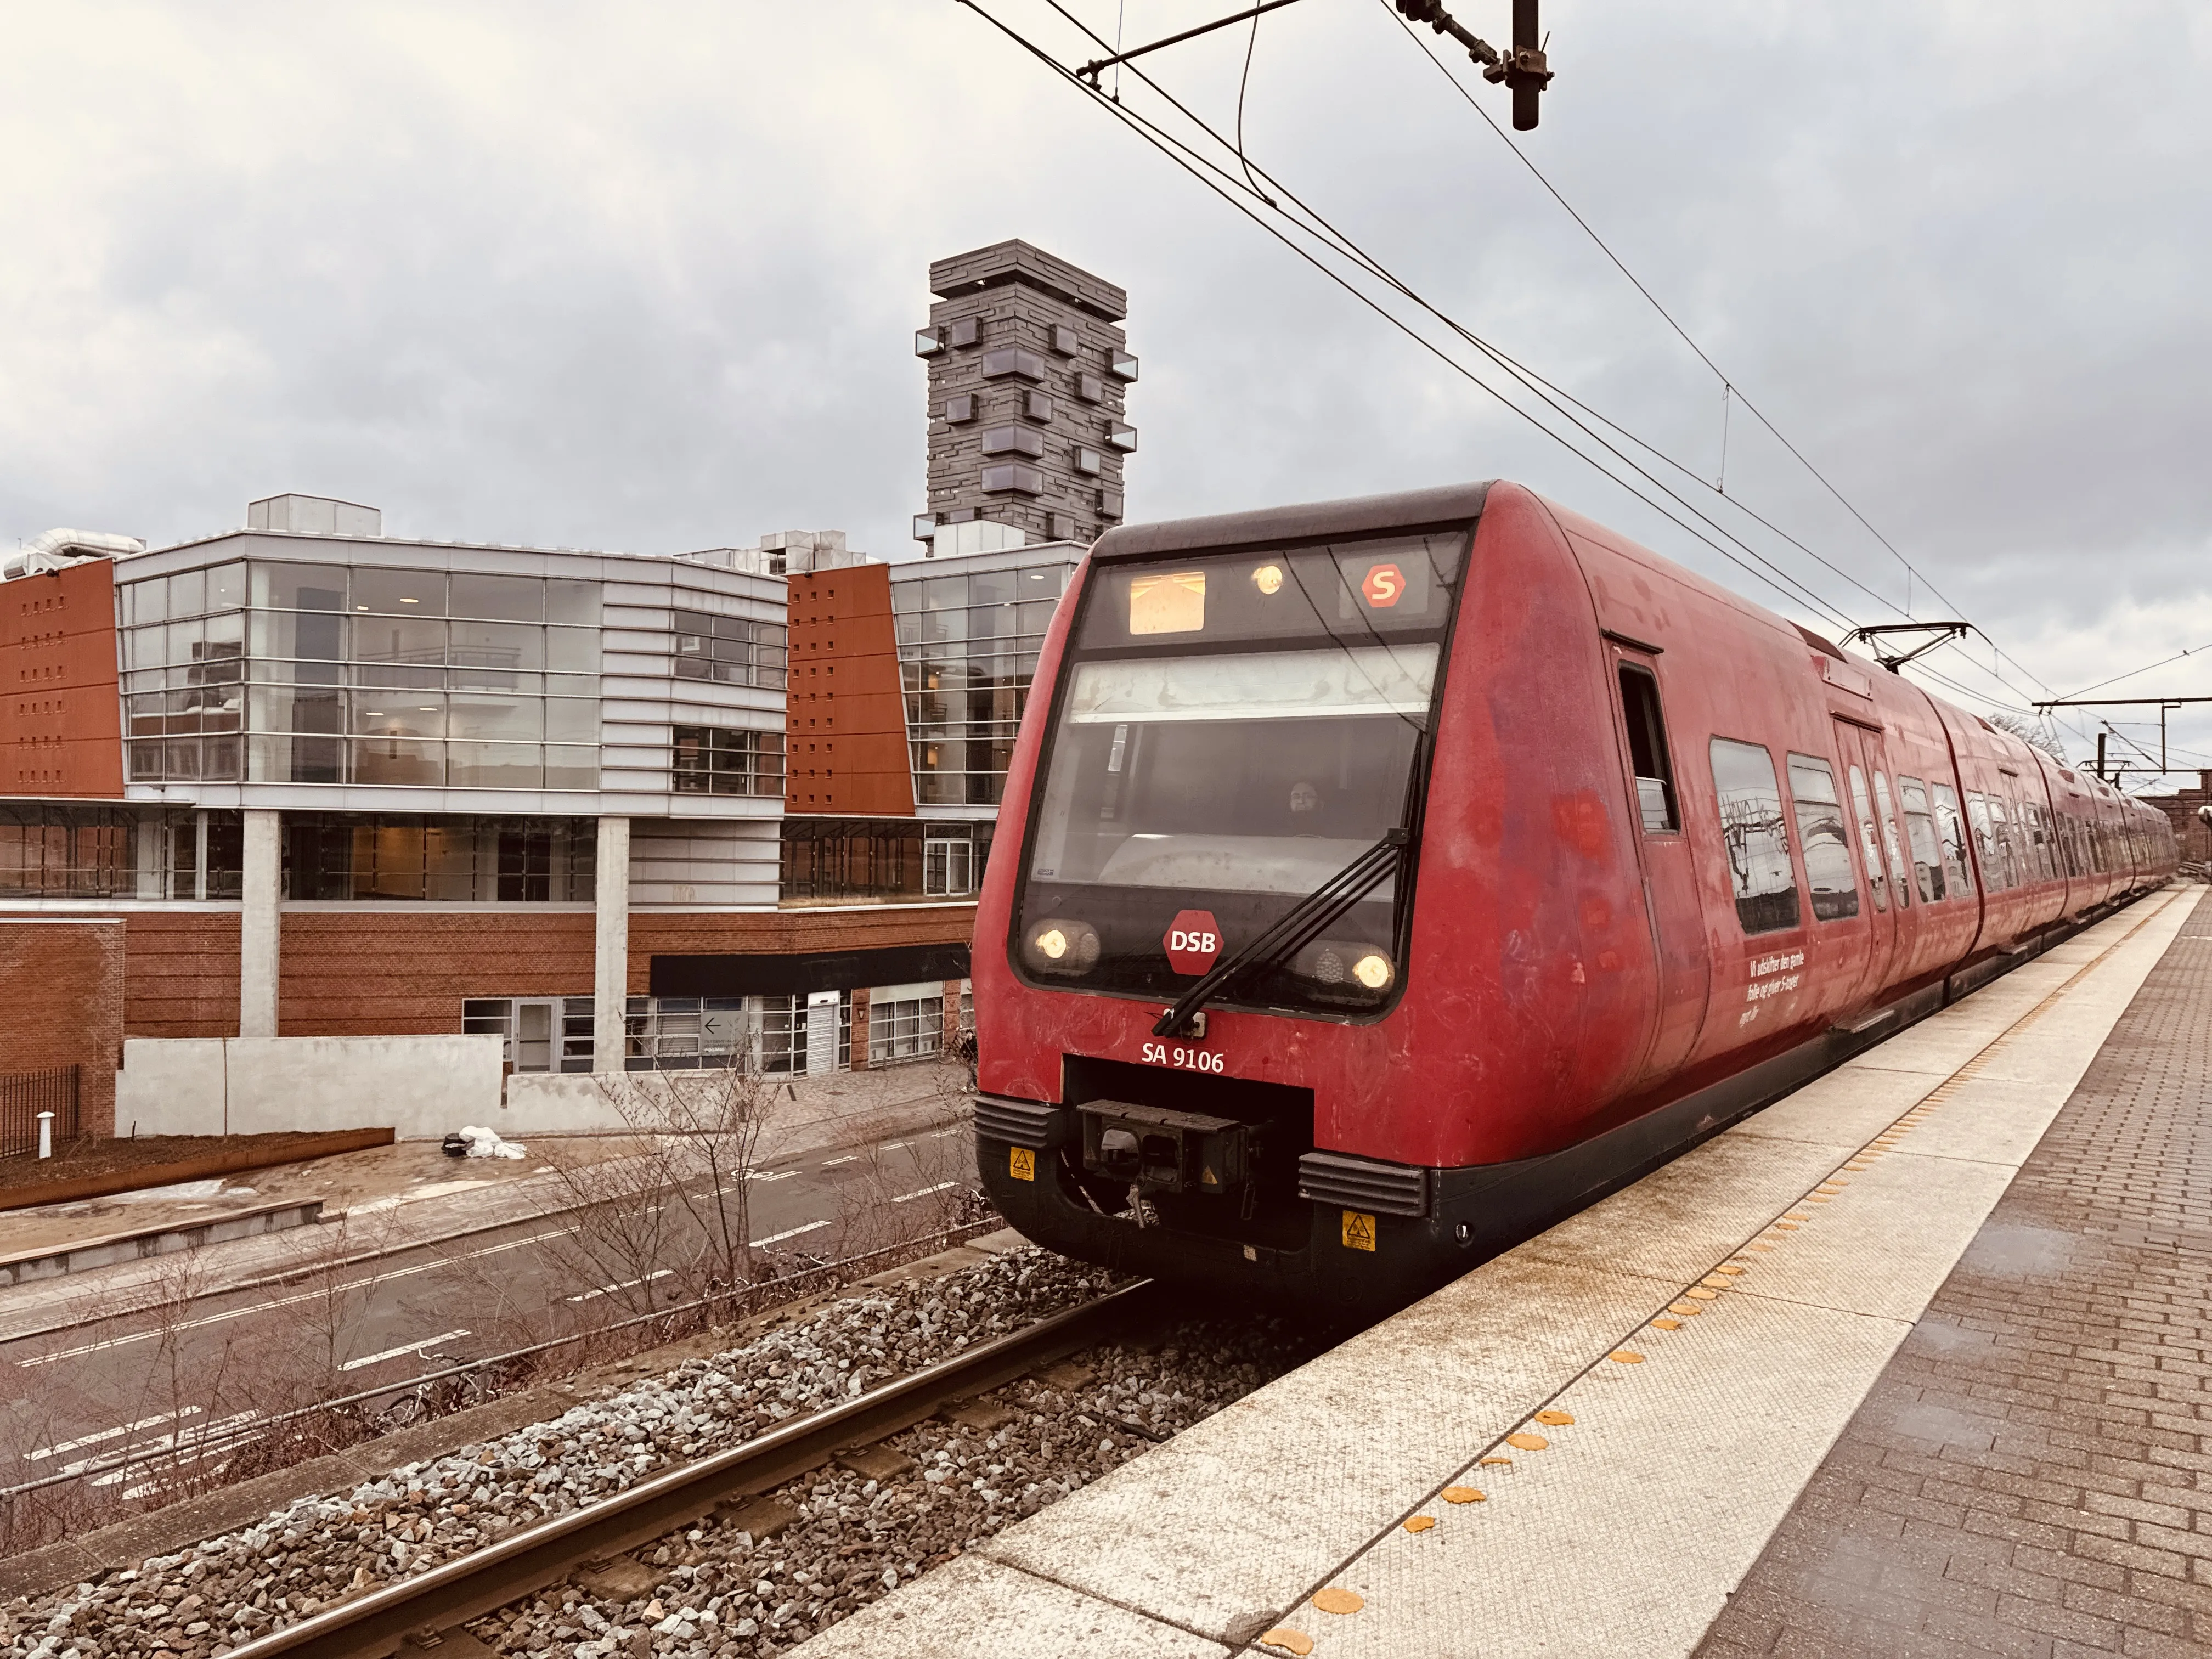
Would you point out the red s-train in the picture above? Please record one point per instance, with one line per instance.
(1378, 881)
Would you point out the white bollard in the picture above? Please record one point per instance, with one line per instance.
(45, 1135)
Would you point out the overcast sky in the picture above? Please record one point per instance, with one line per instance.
(646, 277)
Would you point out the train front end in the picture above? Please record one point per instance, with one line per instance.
(1192, 950)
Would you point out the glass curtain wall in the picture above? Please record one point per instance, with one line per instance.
(968, 650)
(347, 856)
(119, 852)
(333, 674)
(760, 1034)
(881, 861)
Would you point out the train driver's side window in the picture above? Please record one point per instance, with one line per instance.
(1754, 836)
(1646, 749)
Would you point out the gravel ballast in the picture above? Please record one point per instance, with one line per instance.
(840, 1539)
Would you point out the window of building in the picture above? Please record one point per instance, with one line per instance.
(948, 866)
(1088, 461)
(1065, 340)
(332, 674)
(1012, 477)
(963, 333)
(1120, 364)
(1089, 388)
(1012, 439)
(876, 860)
(905, 1023)
(1920, 831)
(1036, 405)
(1648, 756)
(960, 408)
(927, 343)
(347, 857)
(968, 647)
(1013, 359)
(1828, 872)
(759, 1034)
(1755, 836)
(1121, 435)
(1110, 504)
(540, 1034)
(733, 650)
(712, 760)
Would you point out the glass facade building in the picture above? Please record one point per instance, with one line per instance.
(967, 642)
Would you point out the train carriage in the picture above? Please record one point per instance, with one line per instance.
(1378, 881)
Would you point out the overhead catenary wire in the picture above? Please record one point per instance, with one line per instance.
(1731, 391)
(1224, 184)
(1312, 224)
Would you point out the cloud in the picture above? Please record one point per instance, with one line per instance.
(644, 279)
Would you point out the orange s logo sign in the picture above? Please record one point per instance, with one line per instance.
(1384, 587)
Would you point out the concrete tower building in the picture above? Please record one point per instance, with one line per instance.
(1028, 374)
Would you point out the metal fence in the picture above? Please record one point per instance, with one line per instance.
(27, 1094)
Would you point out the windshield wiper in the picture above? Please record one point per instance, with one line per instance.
(1300, 925)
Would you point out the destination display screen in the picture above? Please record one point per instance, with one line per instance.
(1389, 588)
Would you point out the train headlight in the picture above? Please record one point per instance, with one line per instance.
(1061, 945)
(1268, 579)
(1374, 971)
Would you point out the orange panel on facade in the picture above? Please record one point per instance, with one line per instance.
(61, 732)
(846, 736)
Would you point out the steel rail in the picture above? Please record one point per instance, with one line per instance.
(375, 1624)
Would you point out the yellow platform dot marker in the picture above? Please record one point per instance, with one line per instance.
(1666, 1324)
(1820, 1198)
(1793, 1215)
(1758, 1247)
(1832, 1186)
(1730, 1269)
(1498, 1462)
(1625, 1357)
(1464, 1495)
(1420, 1523)
(1687, 1309)
(1289, 1640)
(1858, 1166)
(1555, 1416)
(1786, 1227)
(1702, 1294)
(1525, 1442)
(1714, 1281)
(1339, 1600)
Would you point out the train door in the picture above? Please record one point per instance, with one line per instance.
(1670, 876)
(1859, 751)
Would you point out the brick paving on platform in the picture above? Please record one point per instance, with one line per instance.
(2033, 1473)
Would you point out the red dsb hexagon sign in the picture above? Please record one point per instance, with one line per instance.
(1193, 940)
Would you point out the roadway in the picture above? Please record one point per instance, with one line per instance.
(223, 1359)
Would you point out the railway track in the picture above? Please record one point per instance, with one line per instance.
(415, 1614)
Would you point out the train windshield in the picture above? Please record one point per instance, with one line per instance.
(1232, 731)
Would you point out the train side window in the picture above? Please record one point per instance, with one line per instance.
(1828, 872)
(2003, 831)
(1920, 832)
(1977, 814)
(1889, 840)
(1869, 844)
(1755, 835)
(1646, 749)
(2040, 824)
(1956, 878)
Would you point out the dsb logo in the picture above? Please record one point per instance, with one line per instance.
(1193, 941)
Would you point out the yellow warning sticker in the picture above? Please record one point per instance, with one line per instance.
(1359, 1231)
(1021, 1164)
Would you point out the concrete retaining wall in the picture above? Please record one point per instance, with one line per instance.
(415, 1085)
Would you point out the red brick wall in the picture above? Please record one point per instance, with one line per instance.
(61, 721)
(61, 1004)
(182, 976)
(398, 974)
(846, 710)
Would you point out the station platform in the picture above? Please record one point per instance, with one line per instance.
(1756, 1403)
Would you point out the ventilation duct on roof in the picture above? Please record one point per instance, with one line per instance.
(58, 549)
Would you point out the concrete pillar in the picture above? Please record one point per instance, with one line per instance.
(258, 925)
(611, 946)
